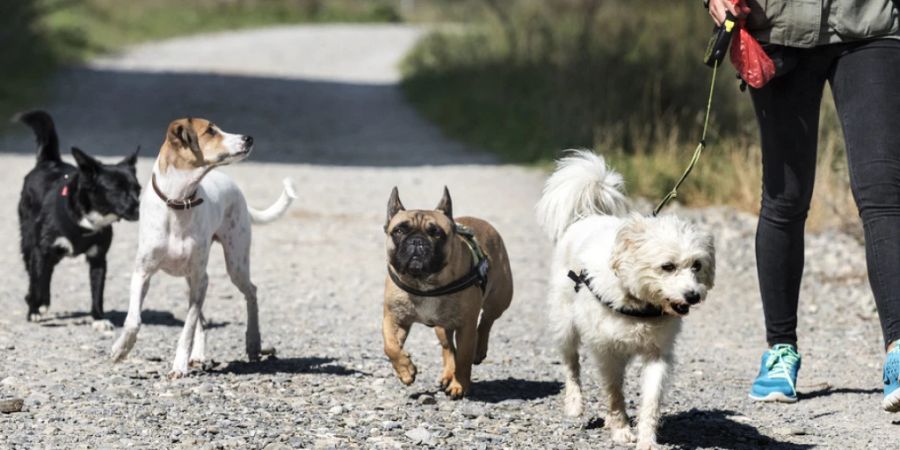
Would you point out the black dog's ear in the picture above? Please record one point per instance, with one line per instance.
(182, 134)
(446, 205)
(393, 207)
(130, 161)
(86, 164)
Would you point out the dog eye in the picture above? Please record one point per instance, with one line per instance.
(400, 229)
(211, 131)
(435, 232)
(696, 266)
(668, 267)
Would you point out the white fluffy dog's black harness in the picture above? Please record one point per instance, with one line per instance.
(476, 276)
(647, 311)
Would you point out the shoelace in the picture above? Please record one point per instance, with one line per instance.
(782, 358)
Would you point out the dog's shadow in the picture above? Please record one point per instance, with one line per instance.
(148, 317)
(496, 391)
(274, 365)
(715, 429)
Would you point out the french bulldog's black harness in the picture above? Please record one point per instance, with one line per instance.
(476, 276)
(647, 311)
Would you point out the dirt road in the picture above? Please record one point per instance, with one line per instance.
(323, 106)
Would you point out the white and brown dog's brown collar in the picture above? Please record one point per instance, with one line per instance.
(190, 202)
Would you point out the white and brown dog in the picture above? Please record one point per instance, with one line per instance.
(189, 207)
(620, 284)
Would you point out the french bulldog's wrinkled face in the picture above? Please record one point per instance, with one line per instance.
(107, 192)
(417, 240)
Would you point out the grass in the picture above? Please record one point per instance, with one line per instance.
(526, 79)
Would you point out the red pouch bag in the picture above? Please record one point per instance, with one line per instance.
(748, 57)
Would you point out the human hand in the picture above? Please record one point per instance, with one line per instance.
(718, 9)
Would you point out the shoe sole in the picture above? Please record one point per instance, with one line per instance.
(891, 403)
(779, 397)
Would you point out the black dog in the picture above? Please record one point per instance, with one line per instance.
(68, 211)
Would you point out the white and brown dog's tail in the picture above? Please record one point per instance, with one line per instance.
(278, 208)
(582, 185)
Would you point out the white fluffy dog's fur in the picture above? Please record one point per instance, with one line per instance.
(630, 262)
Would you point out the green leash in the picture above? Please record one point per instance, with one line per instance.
(674, 192)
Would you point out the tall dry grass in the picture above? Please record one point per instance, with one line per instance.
(528, 78)
(730, 172)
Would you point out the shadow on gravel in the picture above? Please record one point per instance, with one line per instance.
(832, 391)
(272, 365)
(496, 391)
(110, 112)
(156, 317)
(148, 317)
(714, 429)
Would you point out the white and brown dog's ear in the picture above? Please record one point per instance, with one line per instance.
(446, 204)
(181, 134)
(393, 207)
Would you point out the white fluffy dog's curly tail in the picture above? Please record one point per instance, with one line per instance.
(582, 185)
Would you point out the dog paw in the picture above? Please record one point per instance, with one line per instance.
(43, 309)
(445, 380)
(35, 317)
(407, 373)
(123, 345)
(455, 390)
(573, 409)
(175, 374)
(197, 363)
(647, 445)
(623, 435)
(102, 325)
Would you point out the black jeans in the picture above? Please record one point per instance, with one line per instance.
(865, 81)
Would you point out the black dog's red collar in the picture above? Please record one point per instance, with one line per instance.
(187, 203)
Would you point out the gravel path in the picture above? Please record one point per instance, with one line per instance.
(321, 117)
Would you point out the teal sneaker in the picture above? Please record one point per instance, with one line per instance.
(777, 379)
(891, 402)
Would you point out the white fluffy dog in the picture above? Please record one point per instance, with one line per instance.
(620, 284)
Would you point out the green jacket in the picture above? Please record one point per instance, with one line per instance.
(808, 23)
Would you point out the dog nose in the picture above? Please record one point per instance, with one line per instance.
(248, 141)
(692, 297)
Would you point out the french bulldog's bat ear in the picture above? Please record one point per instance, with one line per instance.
(446, 205)
(86, 164)
(393, 206)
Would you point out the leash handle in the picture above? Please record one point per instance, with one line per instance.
(719, 42)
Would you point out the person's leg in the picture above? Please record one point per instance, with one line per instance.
(866, 85)
(787, 111)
